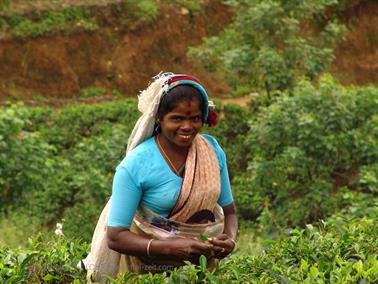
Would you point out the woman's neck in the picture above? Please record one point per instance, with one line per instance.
(172, 148)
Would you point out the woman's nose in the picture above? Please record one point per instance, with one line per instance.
(186, 125)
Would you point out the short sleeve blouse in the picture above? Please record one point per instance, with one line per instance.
(144, 177)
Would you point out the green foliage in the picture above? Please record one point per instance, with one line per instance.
(139, 10)
(340, 250)
(59, 163)
(124, 14)
(4, 4)
(231, 134)
(46, 260)
(369, 178)
(269, 47)
(40, 23)
(68, 126)
(25, 158)
(301, 157)
(145, 10)
(304, 148)
(92, 92)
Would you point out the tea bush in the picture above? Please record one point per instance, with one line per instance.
(47, 259)
(304, 148)
(231, 134)
(25, 158)
(59, 163)
(341, 250)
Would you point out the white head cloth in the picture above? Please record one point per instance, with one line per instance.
(148, 104)
(101, 260)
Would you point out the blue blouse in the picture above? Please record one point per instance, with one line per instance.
(145, 177)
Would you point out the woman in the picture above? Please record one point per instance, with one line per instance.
(173, 185)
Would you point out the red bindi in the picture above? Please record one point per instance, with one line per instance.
(189, 106)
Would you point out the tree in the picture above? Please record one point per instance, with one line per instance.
(272, 43)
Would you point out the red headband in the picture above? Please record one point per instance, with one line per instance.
(182, 77)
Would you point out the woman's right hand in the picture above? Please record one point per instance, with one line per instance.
(189, 249)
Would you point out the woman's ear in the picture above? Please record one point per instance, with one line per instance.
(157, 128)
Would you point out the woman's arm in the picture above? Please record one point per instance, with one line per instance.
(230, 221)
(224, 244)
(123, 241)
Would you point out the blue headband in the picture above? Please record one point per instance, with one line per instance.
(175, 80)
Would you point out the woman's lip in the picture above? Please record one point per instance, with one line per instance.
(185, 136)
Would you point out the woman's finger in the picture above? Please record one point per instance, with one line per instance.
(221, 237)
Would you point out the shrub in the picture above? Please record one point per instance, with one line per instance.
(231, 135)
(272, 43)
(46, 260)
(138, 10)
(59, 163)
(68, 19)
(341, 250)
(25, 158)
(306, 146)
(338, 252)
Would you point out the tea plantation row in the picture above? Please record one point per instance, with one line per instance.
(339, 251)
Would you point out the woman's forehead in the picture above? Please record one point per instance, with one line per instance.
(187, 107)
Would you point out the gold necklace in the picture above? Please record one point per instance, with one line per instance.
(166, 156)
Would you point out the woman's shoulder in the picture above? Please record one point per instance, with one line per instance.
(212, 141)
(138, 155)
(217, 148)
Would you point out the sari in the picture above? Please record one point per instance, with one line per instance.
(198, 196)
(200, 191)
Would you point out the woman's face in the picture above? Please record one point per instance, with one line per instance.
(180, 126)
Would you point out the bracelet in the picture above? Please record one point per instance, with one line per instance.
(148, 247)
(234, 248)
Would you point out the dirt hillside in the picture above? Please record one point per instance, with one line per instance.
(59, 65)
(356, 59)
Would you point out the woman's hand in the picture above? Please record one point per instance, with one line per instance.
(189, 249)
(223, 246)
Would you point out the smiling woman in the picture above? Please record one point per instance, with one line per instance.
(179, 119)
(173, 186)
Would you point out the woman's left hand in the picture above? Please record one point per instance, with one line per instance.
(223, 246)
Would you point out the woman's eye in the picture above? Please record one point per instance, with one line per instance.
(196, 118)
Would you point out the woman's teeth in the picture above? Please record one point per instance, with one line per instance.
(185, 136)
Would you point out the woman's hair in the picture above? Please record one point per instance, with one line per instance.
(177, 95)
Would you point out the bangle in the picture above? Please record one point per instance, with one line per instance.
(234, 248)
(148, 247)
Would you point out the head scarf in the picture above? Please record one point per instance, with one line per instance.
(149, 100)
